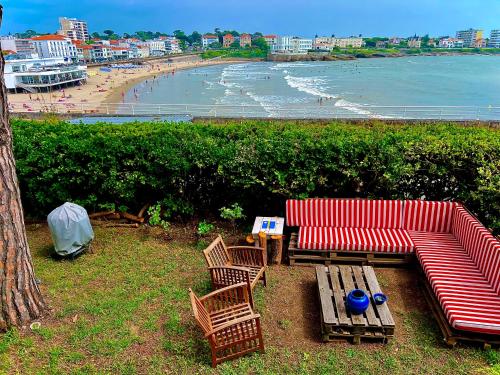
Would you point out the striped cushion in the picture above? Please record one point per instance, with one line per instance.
(428, 216)
(468, 299)
(479, 243)
(351, 213)
(355, 239)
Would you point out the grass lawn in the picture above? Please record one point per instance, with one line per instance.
(124, 309)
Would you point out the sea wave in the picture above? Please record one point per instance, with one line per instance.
(310, 85)
(286, 65)
(353, 107)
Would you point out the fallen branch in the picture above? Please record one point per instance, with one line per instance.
(143, 210)
(131, 217)
(100, 214)
(119, 225)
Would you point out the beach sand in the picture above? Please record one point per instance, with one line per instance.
(102, 89)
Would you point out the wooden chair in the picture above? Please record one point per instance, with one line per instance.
(228, 322)
(230, 265)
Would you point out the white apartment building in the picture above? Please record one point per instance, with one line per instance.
(494, 39)
(172, 45)
(49, 46)
(20, 46)
(73, 29)
(329, 43)
(323, 43)
(156, 47)
(139, 51)
(101, 52)
(208, 39)
(121, 53)
(292, 45)
(470, 37)
(34, 75)
(451, 43)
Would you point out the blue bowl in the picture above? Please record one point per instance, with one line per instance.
(379, 298)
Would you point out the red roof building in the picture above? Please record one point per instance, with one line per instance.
(245, 40)
(227, 40)
(50, 37)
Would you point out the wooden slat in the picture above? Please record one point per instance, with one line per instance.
(346, 275)
(325, 296)
(383, 310)
(370, 313)
(338, 296)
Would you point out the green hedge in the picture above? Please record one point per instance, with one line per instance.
(198, 168)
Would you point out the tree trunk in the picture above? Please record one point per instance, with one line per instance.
(20, 297)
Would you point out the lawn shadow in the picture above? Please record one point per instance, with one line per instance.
(311, 312)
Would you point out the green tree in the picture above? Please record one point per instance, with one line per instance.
(27, 34)
(194, 38)
(261, 44)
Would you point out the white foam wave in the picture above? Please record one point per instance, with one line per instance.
(285, 65)
(310, 85)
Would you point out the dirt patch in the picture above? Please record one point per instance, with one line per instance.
(291, 316)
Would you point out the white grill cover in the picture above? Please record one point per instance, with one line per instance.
(70, 228)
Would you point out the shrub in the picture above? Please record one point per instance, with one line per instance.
(156, 217)
(204, 228)
(198, 168)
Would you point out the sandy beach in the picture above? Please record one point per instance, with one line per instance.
(102, 89)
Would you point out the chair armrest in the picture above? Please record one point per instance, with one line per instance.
(247, 255)
(226, 297)
(233, 323)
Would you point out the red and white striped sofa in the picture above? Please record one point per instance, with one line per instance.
(460, 257)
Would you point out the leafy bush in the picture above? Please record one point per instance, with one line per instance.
(204, 228)
(156, 217)
(234, 212)
(201, 167)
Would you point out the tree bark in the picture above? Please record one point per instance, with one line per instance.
(20, 298)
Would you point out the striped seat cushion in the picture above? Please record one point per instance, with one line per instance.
(468, 299)
(479, 243)
(350, 213)
(428, 216)
(355, 239)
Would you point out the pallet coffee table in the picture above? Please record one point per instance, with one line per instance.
(337, 323)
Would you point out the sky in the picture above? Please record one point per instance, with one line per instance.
(283, 17)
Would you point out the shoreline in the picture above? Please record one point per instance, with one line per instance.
(115, 97)
(101, 88)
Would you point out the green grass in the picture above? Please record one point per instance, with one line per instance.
(124, 309)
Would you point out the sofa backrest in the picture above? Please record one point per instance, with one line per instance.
(428, 216)
(350, 213)
(479, 243)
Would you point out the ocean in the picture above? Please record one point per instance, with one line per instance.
(375, 87)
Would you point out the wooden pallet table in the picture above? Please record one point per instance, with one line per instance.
(337, 323)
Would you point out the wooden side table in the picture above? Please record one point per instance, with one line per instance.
(272, 229)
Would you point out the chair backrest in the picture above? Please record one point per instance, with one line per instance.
(350, 213)
(216, 254)
(200, 313)
(428, 216)
(479, 243)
